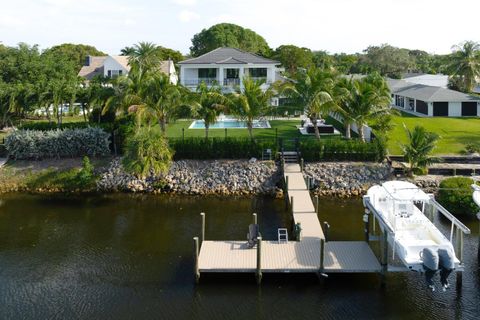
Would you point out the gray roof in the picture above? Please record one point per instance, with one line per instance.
(94, 67)
(229, 56)
(428, 93)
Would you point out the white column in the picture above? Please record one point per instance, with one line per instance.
(241, 74)
(430, 109)
(220, 76)
(182, 75)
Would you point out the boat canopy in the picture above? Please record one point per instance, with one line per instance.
(405, 191)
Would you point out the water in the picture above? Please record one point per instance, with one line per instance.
(230, 124)
(130, 257)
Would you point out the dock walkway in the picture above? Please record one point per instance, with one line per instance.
(310, 254)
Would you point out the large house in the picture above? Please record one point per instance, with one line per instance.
(114, 66)
(227, 67)
(432, 101)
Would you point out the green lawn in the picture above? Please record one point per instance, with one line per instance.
(454, 133)
(284, 128)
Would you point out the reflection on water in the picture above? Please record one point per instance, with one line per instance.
(130, 257)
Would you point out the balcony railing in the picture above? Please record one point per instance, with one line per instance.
(196, 82)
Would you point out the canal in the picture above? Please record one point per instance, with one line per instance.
(130, 257)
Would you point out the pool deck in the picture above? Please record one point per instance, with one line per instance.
(310, 254)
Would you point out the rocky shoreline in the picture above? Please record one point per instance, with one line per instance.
(232, 177)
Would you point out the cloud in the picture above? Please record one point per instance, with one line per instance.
(185, 2)
(188, 16)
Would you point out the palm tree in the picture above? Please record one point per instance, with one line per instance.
(207, 102)
(160, 100)
(465, 63)
(252, 101)
(144, 59)
(344, 92)
(313, 90)
(370, 99)
(417, 150)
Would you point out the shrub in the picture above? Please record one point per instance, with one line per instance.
(472, 148)
(455, 195)
(147, 152)
(342, 150)
(47, 126)
(32, 144)
(221, 148)
(85, 174)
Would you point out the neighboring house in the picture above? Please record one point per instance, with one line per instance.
(114, 66)
(435, 80)
(227, 67)
(431, 101)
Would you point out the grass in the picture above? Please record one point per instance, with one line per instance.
(283, 128)
(455, 133)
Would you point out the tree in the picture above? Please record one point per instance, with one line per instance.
(228, 35)
(323, 60)
(207, 103)
(293, 57)
(465, 63)
(370, 100)
(160, 100)
(252, 101)
(388, 60)
(418, 149)
(344, 89)
(75, 53)
(162, 52)
(147, 152)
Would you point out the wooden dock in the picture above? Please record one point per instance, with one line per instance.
(311, 253)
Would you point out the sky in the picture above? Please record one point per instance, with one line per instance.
(333, 25)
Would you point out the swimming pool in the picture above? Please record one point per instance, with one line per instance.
(230, 124)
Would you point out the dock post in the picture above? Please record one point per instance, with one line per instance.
(322, 253)
(478, 251)
(202, 214)
(259, 260)
(366, 220)
(302, 165)
(384, 260)
(326, 230)
(254, 216)
(291, 204)
(316, 204)
(196, 270)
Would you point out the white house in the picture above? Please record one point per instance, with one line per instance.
(432, 101)
(114, 66)
(227, 67)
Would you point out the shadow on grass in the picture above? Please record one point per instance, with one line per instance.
(66, 180)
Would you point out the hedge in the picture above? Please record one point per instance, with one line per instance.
(47, 126)
(242, 148)
(34, 144)
(220, 148)
(342, 150)
(455, 195)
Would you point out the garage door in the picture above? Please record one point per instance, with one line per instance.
(422, 107)
(440, 109)
(469, 109)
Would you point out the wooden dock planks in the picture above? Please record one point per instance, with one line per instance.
(294, 256)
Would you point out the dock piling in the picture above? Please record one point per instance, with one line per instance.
(302, 165)
(259, 260)
(384, 260)
(291, 204)
(316, 204)
(366, 221)
(254, 216)
(322, 253)
(196, 252)
(326, 230)
(202, 214)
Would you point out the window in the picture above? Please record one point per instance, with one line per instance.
(399, 101)
(469, 109)
(233, 73)
(440, 109)
(258, 72)
(114, 73)
(207, 73)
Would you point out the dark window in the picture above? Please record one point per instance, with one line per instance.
(258, 72)
(109, 73)
(208, 73)
(422, 107)
(233, 73)
(469, 109)
(440, 109)
(120, 72)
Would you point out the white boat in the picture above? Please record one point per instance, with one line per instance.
(402, 206)
(476, 194)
